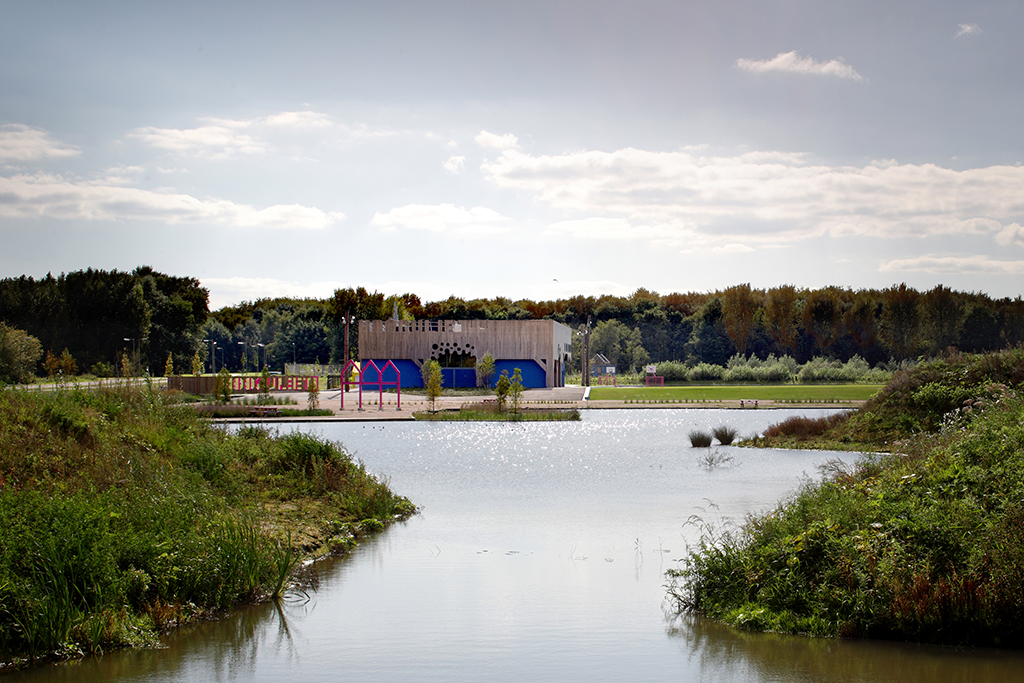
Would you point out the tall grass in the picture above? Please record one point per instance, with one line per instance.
(700, 439)
(122, 513)
(924, 545)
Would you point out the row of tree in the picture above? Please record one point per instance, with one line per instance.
(101, 317)
(104, 316)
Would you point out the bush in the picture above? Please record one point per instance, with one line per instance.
(673, 371)
(700, 439)
(725, 434)
(705, 372)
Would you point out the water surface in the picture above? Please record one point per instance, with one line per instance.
(539, 555)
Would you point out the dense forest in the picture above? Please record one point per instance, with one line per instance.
(105, 317)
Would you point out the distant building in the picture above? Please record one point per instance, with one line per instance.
(600, 366)
(541, 349)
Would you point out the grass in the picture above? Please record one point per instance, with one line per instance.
(923, 544)
(700, 439)
(713, 393)
(123, 513)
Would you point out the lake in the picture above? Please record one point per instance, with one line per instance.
(539, 555)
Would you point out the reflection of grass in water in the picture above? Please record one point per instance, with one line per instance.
(715, 458)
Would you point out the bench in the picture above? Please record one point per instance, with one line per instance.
(265, 411)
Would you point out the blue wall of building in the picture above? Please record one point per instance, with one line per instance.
(411, 376)
(533, 374)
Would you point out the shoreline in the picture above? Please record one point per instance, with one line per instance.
(561, 397)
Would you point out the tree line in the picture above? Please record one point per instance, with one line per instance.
(97, 319)
(92, 313)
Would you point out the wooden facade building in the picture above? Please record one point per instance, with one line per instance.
(541, 349)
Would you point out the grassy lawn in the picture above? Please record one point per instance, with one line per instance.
(750, 392)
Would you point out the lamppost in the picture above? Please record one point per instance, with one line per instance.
(136, 348)
(260, 367)
(213, 358)
(221, 349)
(242, 344)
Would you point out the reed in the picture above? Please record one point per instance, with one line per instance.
(700, 439)
(725, 434)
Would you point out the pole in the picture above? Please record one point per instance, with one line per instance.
(348, 317)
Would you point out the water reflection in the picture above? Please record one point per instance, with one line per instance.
(722, 653)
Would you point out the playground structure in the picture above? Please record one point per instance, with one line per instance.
(376, 378)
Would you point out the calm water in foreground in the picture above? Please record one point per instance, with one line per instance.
(539, 556)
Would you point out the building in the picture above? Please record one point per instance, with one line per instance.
(541, 349)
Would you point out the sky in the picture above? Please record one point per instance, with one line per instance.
(524, 149)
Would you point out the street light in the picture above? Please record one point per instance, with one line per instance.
(213, 358)
(242, 344)
(258, 356)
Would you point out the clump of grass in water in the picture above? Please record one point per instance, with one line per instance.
(725, 434)
(700, 438)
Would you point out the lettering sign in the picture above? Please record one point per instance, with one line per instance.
(277, 383)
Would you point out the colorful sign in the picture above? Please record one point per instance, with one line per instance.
(250, 383)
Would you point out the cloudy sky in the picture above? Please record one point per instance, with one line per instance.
(520, 149)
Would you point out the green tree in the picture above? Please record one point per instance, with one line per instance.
(313, 393)
(944, 314)
(432, 381)
(19, 352)
(265, 387)
(823, 317)
(901, 319)
(169, 365)
(197, 363)
(501, 390)
(515, 391)
(223, 389)
(485, 370)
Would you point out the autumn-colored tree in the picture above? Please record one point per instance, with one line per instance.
(169, 365)
(780, 315)
(738, 308)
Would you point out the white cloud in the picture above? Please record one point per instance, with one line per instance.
(227, 291)
(794, 63)
(24, 143)
(454, 165)
(978, 263)
(763, 198)
(297, 119)
(216, 141)
(52, 196)
(1011, 234)
(620, 229)
(506, 141)
(967, 30)
(443, 218)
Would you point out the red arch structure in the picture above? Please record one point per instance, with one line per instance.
(377, 379)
